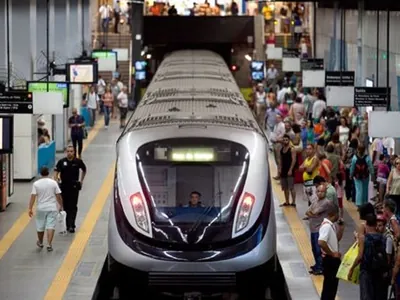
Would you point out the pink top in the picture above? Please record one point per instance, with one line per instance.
(383, 170)
(284, 110)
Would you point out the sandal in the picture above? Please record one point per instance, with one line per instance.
(39, 244)
(49, 248)
(284, 204)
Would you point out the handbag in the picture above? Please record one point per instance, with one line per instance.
(61, 225)
(392, 293)
(347, 262)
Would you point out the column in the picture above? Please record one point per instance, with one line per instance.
(73, 38)
(87, 26)
(25, 128)
(61, 12)
(33, 34)
(359, 71)
(3, 35)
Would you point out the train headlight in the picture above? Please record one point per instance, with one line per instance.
(139, 210)
(246, 205)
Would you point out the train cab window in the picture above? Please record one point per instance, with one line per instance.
(186, 180)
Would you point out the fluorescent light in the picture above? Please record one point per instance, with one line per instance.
(248, 57)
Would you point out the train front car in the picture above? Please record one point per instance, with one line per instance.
(192, 209)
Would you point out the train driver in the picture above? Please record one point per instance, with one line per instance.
(194, 200)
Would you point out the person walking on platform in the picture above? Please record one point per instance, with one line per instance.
(48, 194)
(67, 172)
(77, 123)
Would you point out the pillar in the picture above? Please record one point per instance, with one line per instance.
(73, 38)
(61, 44)
(24, 49)
(3, 36)
(359, 70)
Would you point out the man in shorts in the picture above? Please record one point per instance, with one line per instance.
(287, 162)
(48, 195)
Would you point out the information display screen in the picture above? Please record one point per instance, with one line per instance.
(257, 66)
(200, 154)
(140, 65)
(105, 54)
(141, 75)
(7, 133)
(82, 73)
(62, 87)
(257, 76)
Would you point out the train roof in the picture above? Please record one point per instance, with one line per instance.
(193, 87)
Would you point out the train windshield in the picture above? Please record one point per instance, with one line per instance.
(196, 180)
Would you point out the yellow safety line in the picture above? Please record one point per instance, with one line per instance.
(299, 233)
(23, 220)
(64, 275)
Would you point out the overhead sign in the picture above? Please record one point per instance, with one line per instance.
(312, 63)
(371, 96)
(291, 52)
(339, 78)
(16, 103)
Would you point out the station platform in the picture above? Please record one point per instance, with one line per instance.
(72, 270)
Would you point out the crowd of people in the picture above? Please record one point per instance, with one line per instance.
(328, 151)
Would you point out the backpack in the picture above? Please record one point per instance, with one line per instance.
(375, 257)
(361, 170)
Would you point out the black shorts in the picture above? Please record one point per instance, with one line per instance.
(123, 112)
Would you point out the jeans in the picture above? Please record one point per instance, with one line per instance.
(316, 251)
(330, 285)
(104, 24)
(92, 112)
(107, 111)
(77, 142)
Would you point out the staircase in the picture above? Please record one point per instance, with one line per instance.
(287, 41)
(114, 41)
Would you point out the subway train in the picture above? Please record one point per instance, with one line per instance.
(192, 214)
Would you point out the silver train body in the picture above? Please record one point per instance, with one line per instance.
(192, 206)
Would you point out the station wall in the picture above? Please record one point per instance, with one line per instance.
(327, 45)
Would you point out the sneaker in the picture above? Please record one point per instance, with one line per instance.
(71, 230)
(49, 248)
(40, 245)
(106, 127)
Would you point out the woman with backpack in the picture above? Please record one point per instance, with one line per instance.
(360, 170)
(374, 265)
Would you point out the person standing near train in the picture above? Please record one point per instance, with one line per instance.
(68, 174)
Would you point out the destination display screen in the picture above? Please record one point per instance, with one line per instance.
(186, 154)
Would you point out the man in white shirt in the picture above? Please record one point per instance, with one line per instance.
(276, 138)
(318, 107)
(48, 194)
(92, 100)
(388, 145)
(272, 74)
(329, 236)
(101, 89)
(105, 14)
(123, 105)
(281, 94)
